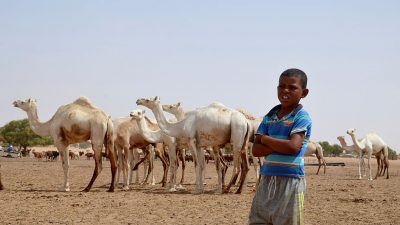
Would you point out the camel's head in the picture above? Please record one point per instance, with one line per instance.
(173, 108)
(148, 102)
(137, 114)
(340, 138)
(25, 105)
(351, 131)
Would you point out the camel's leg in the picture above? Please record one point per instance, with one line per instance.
(65, 164)
(98, 164)
(146, 166)
(151, 163)
(379, 169)
(123, 159)
(136, 159)
(119, 162)
(360, 162)
(255, 162)
(127, 172)
(182, 158)
(172, 166)
(224, 168)
(244, 170)
(218, 167)
(165, 169)
(319, 165)
(324, 162)
(198, 155)
(114, 167)
(386, 160)
(369, 166)
(382, 167)
(236, 170)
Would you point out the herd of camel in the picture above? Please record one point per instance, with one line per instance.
(212, 127)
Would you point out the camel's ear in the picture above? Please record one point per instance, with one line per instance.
(156, 98)
(178, 104)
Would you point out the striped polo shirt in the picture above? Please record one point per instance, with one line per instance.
(279, 164)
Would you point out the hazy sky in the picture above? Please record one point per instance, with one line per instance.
(198, 52)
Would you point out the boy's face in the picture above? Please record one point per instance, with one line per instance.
(290, 91)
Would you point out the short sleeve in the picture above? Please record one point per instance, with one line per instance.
(302, 123)
(263, 128)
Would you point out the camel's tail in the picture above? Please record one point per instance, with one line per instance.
(246, 138)
(108, 139)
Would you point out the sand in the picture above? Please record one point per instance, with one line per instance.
(31, 197)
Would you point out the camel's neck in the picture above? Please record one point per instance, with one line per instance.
(357, 144)
(171, 129)
(41, 129)
(343, 143)
(345, 146)
(149, 135)
(180, 115)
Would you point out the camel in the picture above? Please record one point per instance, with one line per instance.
(352, 148)
(128, 139)
(254, 124)
(214, 125)
(316, 148)
(74, 123)
(181, 146)
(379, 157)
(155, 136)
(179, 113)
(371, 144)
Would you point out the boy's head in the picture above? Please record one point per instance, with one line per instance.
(295, 73)
(292, 87)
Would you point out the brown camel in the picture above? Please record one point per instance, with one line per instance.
(76, 122)
(128, 138)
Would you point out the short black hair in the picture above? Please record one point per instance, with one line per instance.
(295, 73)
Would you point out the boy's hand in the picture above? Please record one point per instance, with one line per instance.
(257, 138)
(260, 149)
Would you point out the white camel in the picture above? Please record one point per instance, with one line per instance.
(74, 123)
(254, 123)
(379, 157)
(215, 126)
(155, 136)
(349, 149)
(181, 145)
(370, 145)
(314, 148)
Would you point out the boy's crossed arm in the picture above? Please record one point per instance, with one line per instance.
(264, 145)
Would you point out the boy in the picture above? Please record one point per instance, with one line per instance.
(282, 139)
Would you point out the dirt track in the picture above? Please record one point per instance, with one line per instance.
(31, 197)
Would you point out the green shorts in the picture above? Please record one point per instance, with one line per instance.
(278, 200)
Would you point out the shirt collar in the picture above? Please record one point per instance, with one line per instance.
(278, 107)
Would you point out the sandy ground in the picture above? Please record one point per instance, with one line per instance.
(31, 197)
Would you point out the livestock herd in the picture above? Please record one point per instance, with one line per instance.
(209, 128)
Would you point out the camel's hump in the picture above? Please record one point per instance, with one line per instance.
(247, 114)
(84, 101)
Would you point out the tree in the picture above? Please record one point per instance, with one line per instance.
(19, 134)
(392, 154)
(331, 150)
